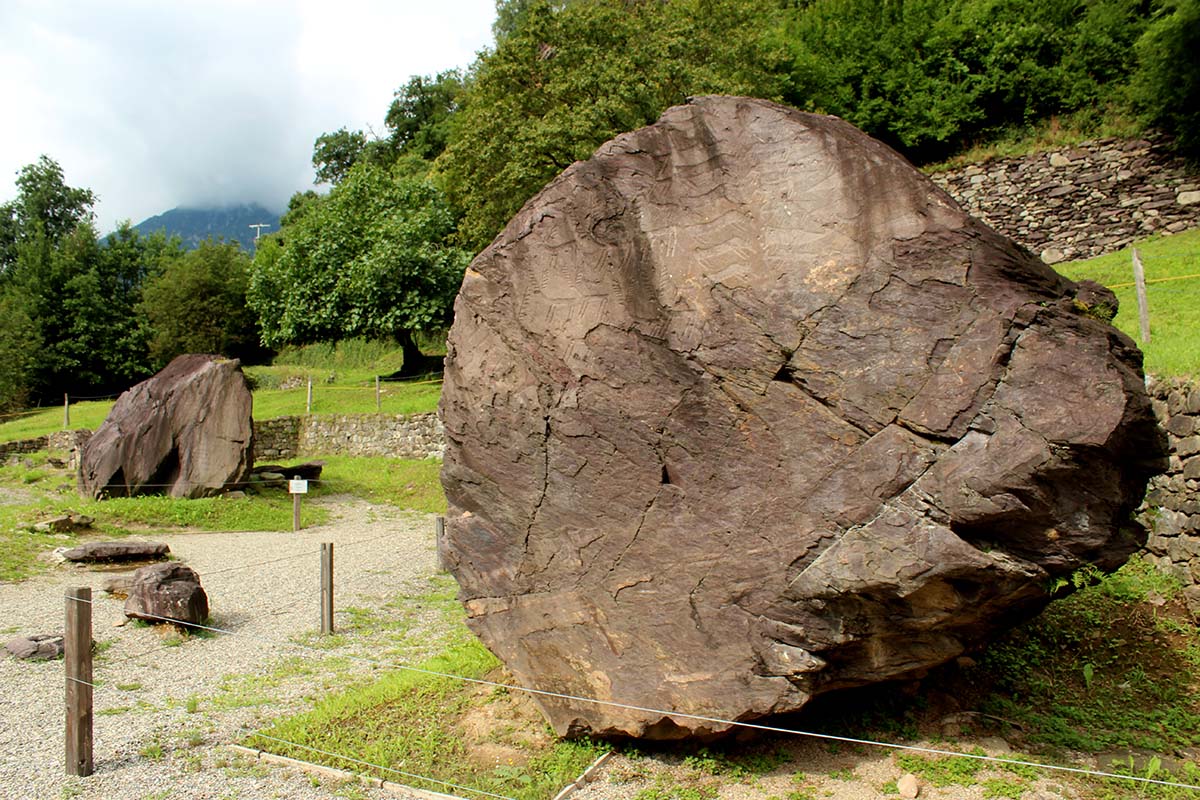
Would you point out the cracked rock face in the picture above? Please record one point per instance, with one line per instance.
(744, 409)
(185, 432)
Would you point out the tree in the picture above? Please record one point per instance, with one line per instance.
(371, 260)
(20, 344)
(44, 206)
(335, 153)
(77, 328)
(420, 115)
(1166, 86)
(197, 304)
(569, 77)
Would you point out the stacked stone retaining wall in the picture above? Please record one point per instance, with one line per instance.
(1082, 201)
(59, 440)
(1173, 500)
(396, 435)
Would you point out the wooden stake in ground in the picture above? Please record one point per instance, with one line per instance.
(1139, 279)
(308, 401)
(439, 543)
(326, 588)
(296, 487)
(77, 658)
(378, 401)
(66, 411)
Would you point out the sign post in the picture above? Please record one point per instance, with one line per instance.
(296, 487)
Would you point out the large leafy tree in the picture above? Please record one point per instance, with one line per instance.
(45, 208)
(565, 77)
(197, 304)
(371, 259)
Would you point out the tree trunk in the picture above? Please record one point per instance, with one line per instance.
(415, 362)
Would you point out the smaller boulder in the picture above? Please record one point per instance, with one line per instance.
(309, 470)
(65, 523)
(117, 551)
(118, 585)
(39, 647)
(168, 592)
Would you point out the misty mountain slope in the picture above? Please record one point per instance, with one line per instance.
(194, 225)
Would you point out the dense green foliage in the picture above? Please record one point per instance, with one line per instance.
(370, 259)
(197, 304)
(566, 80)
(1167, 83)
(929, 76)
(87, 316)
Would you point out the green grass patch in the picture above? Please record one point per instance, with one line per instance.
(1102, 669)
(413, 397)
(409, 721)
(42, 421)
(943, 771)
(44, 491)
(1172, 297)
(406, 483)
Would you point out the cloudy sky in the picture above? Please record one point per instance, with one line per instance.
(154, 104)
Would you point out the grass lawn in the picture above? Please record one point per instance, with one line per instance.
(44, 491)
(417, 724)
(1172, 266)
(406, 483)
(409, 397)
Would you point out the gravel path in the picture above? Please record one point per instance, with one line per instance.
(166, 709)
(147, 743)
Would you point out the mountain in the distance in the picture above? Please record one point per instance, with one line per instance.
(194, 225)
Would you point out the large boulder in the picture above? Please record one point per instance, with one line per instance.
(186, 432)
(168, 592)
(744, 409)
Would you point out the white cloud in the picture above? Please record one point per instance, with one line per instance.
(153, 105)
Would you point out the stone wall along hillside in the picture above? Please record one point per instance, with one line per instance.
(1083, 201)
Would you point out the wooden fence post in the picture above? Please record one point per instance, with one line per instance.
(77, 658)
(66, 411)
(308, 402)
(439, 541)
(295, 507)
(326, 588)
(378, 401)
(1139, 279)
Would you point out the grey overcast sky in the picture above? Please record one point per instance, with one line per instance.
(154, 104)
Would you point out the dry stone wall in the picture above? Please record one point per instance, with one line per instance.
(57, 441)
(1083, 201)
(1173, 500)
(276, 438)
(397, 435)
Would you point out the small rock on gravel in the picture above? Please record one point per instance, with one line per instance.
(908, 786)
(39, 647)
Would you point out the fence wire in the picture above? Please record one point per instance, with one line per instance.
(684, 715)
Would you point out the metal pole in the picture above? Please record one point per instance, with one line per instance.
(77, 658)
(308, 403)
(326, 588)
(1139, 278)
(66, 411)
